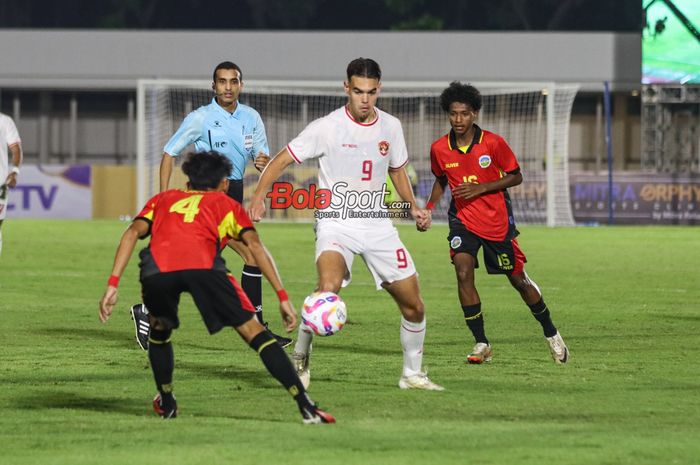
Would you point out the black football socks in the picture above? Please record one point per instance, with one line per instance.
(279, 366)
(475, 321)
(251, 282)
(160, 353)
(541, 313)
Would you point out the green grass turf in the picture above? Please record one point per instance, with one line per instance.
(75, 391)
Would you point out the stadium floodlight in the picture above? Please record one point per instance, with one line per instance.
(533, 117)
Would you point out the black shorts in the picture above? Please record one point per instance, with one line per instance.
(235, 190)
(217, 295)
(501, 257)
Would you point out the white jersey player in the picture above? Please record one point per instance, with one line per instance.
(9, 139)
(353, 159)
(356, 145)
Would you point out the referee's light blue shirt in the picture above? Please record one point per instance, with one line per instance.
(240, 135)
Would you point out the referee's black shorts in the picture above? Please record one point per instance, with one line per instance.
(217, 295)
(235, 190)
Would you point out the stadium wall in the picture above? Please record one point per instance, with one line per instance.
(103, 59)
(113, 191)
(73, 192)
(72, 92)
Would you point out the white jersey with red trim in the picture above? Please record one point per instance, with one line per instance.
(353, 162)
(8, 137)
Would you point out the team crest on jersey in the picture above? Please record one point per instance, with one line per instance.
(456, 242)
(217, 124)
(384, 147)
(485, 161)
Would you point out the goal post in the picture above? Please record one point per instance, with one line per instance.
(533, 118)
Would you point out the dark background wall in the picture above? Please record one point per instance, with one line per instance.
(448, 15)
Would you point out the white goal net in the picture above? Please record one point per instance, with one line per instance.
(533, 118)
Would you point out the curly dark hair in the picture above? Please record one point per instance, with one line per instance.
(205, 170)
(462, 93)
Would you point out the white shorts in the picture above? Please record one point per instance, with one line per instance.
(382, 250)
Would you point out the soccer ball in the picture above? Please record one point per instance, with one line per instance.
(323, 313)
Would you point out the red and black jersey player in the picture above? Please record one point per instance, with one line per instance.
(479, 166)
(188, 230)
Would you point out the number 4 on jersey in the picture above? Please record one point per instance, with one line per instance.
(189, 207)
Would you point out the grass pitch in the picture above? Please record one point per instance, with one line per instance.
(74, 391)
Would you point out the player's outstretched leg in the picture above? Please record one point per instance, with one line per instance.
(532, 296)
(139, 313)
(279, 366)
(302, 356)
(332, 268)
(160, 354)
(412, 333)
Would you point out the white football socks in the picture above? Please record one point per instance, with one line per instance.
(303, 341)
(412, 337)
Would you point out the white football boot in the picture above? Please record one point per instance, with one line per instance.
(301, 365)
(419, 381)
(481, 353)
(560, 353)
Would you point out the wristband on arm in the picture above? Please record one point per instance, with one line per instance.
(113, 281)
(430, 205)
(282, 295)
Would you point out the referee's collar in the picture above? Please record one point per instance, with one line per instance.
(225, 112)
(452, 139)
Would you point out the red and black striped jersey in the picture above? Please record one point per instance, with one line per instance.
(189, 228)
(486, 159)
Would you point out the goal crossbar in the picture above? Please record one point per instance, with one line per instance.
(533, 117)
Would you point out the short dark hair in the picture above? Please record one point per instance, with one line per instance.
(205, 170)
(462, 93)
(227, 65)
(364, 67)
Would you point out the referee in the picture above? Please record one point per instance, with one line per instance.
(236, 131)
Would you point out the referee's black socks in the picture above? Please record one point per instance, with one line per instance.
(541, 313)
(251, 282)
(279, 366)
(475, 322)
